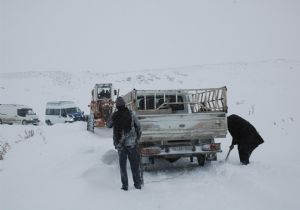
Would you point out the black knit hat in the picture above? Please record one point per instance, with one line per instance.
(120, 102)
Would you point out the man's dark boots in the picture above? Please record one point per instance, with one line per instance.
(124, 188)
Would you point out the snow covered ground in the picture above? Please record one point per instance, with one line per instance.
(65, 167)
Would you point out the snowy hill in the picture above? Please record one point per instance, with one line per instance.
(65, 167)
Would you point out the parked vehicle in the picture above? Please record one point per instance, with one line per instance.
(101, 105)
(17, 114)
(62, 112)
(180, 123)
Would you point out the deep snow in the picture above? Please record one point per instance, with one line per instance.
(65, 167)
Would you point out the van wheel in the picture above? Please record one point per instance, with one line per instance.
(24, 122)
(201, 160)
(48, 122)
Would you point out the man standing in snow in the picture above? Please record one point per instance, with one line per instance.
(244, 135)
(126, 132)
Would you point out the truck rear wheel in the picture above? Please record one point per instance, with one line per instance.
(201, 160)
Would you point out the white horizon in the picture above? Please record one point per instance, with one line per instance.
(116, 36)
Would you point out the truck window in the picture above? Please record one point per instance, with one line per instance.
(150, 101)
(172, 99)
(140, 101)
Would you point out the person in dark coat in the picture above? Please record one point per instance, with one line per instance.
(126, 132)
(244, 135)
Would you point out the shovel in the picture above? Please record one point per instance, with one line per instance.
(230, 148)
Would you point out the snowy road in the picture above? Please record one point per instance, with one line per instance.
(66, 167)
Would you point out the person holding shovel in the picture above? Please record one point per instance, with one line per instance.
(244, 135)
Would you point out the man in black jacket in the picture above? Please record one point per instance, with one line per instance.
(244, 135)
(126, 132)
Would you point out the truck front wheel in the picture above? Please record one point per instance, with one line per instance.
(201, 160)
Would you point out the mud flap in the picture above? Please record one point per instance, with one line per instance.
(212, 157)
(201, 160)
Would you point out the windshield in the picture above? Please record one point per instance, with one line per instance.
(103, 92)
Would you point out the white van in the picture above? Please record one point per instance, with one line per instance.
(62, 112)
(17, 114)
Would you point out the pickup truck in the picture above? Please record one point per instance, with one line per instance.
(180, 123)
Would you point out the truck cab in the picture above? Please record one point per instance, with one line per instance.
(101, 105)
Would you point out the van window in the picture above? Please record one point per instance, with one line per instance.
(52, 111)
(71, 110)
(30, 112)
(24, 112)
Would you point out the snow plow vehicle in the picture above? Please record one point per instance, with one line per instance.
(101, 106)
(180, 123)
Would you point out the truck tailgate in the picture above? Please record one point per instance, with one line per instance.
(183, 126)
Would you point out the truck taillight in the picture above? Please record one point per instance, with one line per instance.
(211, 147)
(150, 151)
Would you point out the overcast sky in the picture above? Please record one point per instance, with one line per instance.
(126, 35)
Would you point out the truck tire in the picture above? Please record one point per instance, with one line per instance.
(1, 122)
(201, 160)
(24, 122)
(48, 122)
(172, 160)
